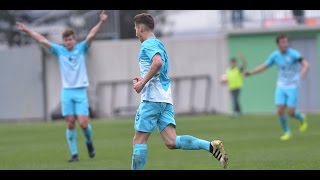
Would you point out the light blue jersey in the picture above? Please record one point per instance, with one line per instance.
(72, 64)
(288, 66)
(156, 108)
(158, 89)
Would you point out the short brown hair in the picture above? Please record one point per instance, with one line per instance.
(281, 36)
(145, 19)
(68, 32)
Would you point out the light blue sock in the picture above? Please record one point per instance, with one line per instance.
(72, 140)
(139, 156)
(187, 142)
(87, 132)
(298, 116)
(284, 124)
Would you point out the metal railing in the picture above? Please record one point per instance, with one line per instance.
(132, 105)
(218, 21)
(246, 19)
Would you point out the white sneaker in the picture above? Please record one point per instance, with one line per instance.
(219, 153)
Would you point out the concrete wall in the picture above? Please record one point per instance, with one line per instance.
(118, 60)
(22, 97)
(21, 91)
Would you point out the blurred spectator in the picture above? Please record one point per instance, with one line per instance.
(299, 16)
(234, 79)
(237, 18)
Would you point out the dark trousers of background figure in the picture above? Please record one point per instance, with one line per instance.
(237, 18)
(235, 95)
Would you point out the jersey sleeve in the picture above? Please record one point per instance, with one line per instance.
(270, 61)
(296, 55)
(55, 49)
(151, 50)
(83, 46)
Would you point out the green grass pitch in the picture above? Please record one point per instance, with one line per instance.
(252, 142)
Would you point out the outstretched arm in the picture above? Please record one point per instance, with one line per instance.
(155, 67)
(258, 69)
(96, 28)
(243, 61)
(304, 68)
(36, 36)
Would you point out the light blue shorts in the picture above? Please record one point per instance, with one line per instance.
(74, 101)
(154, 114)
(287, 97)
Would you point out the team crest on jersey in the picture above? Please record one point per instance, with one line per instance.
(73, 57)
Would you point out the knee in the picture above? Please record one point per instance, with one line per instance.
(170, 144)
(71, 123)
(83, 124)
(291, 113)
(137, 140)
(280, 112)
(134, 140)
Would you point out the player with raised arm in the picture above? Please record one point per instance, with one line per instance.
(74, 100)
(292, 68)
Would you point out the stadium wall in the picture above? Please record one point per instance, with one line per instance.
(118, 60)
(258, 92)
(21, 92)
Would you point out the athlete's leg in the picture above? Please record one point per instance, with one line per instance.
(72, 138)
(140, 150)
(166, 127)
(292, 103)
(68, 111)
(283, 119)
(87, 133)
(145, 121)
(302, 118)
(280, 101)
(82, 112)
(86, 127)
(186, 142)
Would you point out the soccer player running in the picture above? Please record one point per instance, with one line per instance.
(156, 107)
(72, 61)
(292, 68)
